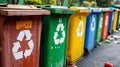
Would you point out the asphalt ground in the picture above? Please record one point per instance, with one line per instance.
(105, 52)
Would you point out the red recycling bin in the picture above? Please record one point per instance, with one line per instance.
(105, 24)
(20, 31)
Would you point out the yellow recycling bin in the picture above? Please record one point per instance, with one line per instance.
(115, 19)
(76, 34)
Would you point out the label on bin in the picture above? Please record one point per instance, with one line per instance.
(23, 24)
(106, 20)
(80, 29)
(60, 28)
(15, 50)
(93, 24)
(101, 21)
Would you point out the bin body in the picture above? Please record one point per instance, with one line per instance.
(54, 38)
(99, 27)
(118, 9)
(118, 21)
(90, 31)
(19, 37)
(115, 20)
(76, 37)
(105, 25)
(110, 23)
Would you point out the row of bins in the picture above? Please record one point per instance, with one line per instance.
(63, 33)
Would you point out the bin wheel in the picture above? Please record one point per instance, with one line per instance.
(109, 33)
(67, 61)
(85, 52)
(112, 31)
(96, 43)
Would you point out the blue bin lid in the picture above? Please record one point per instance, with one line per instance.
(112, 8)
(95, 10)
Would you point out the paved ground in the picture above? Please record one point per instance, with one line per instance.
(103, 53)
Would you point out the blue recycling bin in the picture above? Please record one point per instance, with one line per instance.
(110, 23)
(90, 35)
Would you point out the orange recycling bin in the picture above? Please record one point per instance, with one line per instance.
(105, 23)
(20, 31)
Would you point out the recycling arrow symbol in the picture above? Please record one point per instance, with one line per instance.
(19, 55)
(60, 27)
(80, 33)
(93, 23)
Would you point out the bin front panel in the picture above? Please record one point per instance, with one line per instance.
(99, 27)
(76, 37)
(105, 25)
(54, 40)
(90, 31)
(110, 23)
(115, 21)
(21, 41)
(118, 23)
(1, 26)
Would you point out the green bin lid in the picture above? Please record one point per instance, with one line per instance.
(116, 6)
(58, 9)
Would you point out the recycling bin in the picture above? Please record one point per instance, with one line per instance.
(20, 31)
(111, 19)
(118, 21)
(77, 26)
(105, 23)
(54, 37)
(115, 20)
(99, 26)
(3, 2)
(90, 36)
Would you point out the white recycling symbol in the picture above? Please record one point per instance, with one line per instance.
(60, 27)
(106, 21)
(19, 55)
(93, 24)
(80, 33)
(101, 21)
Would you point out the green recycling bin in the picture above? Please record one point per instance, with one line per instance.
(99, 26)
(3, 2)
(20, 2)
(54, 37)
(118, 22)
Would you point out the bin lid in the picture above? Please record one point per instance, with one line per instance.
(95, 10)
(115, 5)
(80, 9)
(58, 9)
(19, 10)
(112, 8)
(106, 9)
